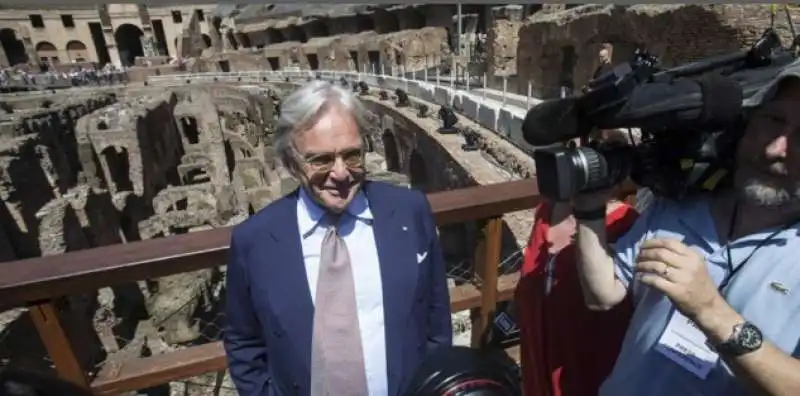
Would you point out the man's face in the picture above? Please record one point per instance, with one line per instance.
(331, 158)
(604, 56)
(768, 159)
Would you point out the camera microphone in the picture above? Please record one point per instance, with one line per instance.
(551, 121)
(709, 100)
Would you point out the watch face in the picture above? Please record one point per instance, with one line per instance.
(750, 337)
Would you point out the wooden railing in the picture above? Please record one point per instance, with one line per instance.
(38, 282)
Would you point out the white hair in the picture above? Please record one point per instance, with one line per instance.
(303, 107)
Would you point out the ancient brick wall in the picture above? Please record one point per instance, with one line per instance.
(676, 33)
(502, 40)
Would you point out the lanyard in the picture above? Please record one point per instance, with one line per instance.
(732, 271)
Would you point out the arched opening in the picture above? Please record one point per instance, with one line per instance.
(129, 43)
(77, 51)
(207, 40)
(418, 172)
(295, 33)
(47, 52)
(216, 22)
(232, 40)
(569, 59)
(316, 28)
(116, 159)
(13, 47)
(384, 21)
(414, 19)
(190, 131)
(242, 39)
(364, 23)
(369, 147)
(230, 159)
(274, 36)
(390, 151)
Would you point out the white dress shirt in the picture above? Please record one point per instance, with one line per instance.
(356, 230)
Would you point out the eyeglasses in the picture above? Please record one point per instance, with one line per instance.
(324, 162)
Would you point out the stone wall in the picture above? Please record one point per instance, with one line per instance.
(560, 47)
(502, 40)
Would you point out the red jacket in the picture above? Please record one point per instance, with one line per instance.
(566, 349)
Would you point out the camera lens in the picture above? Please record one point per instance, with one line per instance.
(562, 172)
(461, 371)
(596, 169)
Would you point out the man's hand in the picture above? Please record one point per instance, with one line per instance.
(680, 273)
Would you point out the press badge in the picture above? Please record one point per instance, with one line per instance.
(684, 343)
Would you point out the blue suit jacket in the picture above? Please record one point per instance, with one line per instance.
(269, 307)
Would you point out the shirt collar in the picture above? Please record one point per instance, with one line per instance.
(310, 213)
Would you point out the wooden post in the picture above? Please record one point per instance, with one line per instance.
(59, 348)
(487, 260)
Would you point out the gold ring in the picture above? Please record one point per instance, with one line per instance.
(665, 272)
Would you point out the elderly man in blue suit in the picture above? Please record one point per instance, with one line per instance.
(339, 287)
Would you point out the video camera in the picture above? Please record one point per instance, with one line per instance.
(691, 119)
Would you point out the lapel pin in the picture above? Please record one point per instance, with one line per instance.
(404, 228)
(779, 288)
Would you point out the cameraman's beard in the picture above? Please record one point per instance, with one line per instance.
(767, 195)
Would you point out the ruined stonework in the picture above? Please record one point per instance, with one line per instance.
(190, 41)
(502, 40)
(88, 168)
(560, 48)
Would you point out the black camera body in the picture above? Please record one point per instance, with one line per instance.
(690, 117)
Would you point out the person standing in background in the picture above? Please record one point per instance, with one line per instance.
(604, 56)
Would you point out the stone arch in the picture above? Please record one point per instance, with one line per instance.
(13, 47)
(76, 50)
(207, 40)
(129, 43)
(390, 151)
(46, 51)
(118, 167)
(418, 171)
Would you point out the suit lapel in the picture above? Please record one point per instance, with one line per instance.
(288, 289)
(393, 242)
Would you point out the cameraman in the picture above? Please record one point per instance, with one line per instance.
(557, 357)
(712, 276)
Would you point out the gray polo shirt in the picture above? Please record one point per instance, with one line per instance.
(766, 291)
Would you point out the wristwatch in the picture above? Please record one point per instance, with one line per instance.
(746, 338)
